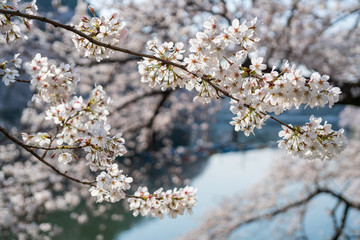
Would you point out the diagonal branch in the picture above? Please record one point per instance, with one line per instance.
(72, 29)
(41, 159)
(124, 50)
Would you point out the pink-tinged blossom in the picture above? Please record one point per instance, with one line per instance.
(110, 31)
(10, 30)
(39, 139)
(111, 185)
(65, 158)
(254, 94)
(53, 83)
(313, 141)
(155, 72)
(257, 65)
(172, 202)
(9, 76)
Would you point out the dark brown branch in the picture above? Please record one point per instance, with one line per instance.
(341, 197)
(356, 10)
(333, 213)
(24, 146)
(150, 124)
(138, 98)
(343, 221)
(89, 38)
(287, 28)
(23, 81)
(56, 148)
(164, 96)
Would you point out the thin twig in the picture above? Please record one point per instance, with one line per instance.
(17, 80)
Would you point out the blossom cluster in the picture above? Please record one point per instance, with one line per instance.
(110, 31)
(110, 185)
(209, 61)
(82, 124)
(10, 74)
(313, 141)
(39, 139)
(9, 29)
(55, 84)
(173, 202)
(215, 68)
(154, 72)
(276, 92)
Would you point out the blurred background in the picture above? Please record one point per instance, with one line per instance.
(247, 188)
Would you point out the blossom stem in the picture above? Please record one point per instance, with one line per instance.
(17, 80)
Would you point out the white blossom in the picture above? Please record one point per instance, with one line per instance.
(313, 141)
(109, 31)
(110, 185)
(172, 202)
(65, 158)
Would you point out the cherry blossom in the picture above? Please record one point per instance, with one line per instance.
(213, 72)
(313, 141)
(110, 185)
(173, 202)
(10, 30)
(111, 31)
(9, 75)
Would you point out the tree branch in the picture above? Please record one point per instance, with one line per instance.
(24, 146)
(333, 213)
(138, 98)
(56, 148)
(89, 38)
(150, 124)
(124, 50)
(274, 212)
(343, 221)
